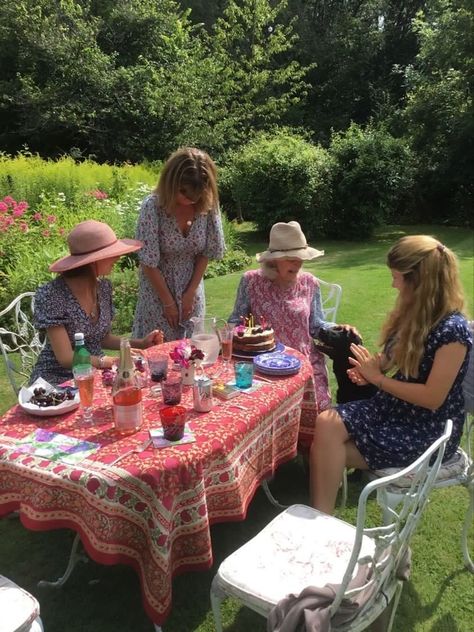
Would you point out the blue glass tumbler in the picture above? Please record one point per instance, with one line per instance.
(243, 374)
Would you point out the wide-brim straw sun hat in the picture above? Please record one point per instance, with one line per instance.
(287, 240)
(92, 241)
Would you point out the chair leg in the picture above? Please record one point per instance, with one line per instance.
(465, 531)
(394, 606)
(271, 497)
(343, 490)
(217, 595)
(74, 558)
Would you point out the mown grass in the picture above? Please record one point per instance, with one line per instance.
(439, 596)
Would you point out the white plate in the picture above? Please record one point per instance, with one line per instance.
(26, 393)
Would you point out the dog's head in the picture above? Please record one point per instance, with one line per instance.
(336, 342)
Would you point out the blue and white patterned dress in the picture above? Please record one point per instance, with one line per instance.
(56, 305)
(174, 255)
(390, 432)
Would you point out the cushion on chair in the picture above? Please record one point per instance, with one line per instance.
(454, 467)
(300, 547)
(18, 609)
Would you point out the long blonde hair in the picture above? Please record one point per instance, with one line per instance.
(192, 172)
(431, 273)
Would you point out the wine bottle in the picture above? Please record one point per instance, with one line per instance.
(126, 393)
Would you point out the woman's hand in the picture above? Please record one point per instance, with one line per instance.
(356, 377)
(155, 337)
(187, 304)
(171, 313)
(368, 365)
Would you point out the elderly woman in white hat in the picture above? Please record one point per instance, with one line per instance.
(287, 298)
(79, 299)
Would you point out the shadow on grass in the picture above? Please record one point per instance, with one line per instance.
(413, 610)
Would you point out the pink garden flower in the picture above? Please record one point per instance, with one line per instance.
(9, 200)
(98, 194)
(3, 207)
(37, 217)
(18, 211)
(23, 226)
(46, 233)
(51, 219)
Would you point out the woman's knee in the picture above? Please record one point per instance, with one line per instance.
(329, 428)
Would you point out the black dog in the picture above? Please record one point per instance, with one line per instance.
(336, 345)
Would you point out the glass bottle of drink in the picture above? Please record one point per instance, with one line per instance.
(126, 393)
(83, 375)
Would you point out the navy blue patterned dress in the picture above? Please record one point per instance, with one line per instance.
(390, 432)
(56, 305)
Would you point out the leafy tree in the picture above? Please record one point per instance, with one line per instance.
(439, 112)
(250, 83)
(100, 76)
(372, 176)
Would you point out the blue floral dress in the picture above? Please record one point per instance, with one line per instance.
(56, 305)
(390, 432)
(167, 249)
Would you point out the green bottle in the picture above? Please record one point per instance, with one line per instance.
(81, 360)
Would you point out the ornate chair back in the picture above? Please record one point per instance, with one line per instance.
(20, 342)
(330, 297)
(357, 570)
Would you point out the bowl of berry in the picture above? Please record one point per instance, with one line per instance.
(45, 400)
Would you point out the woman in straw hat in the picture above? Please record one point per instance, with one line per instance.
(78, 299)
(426, 339)
(181, 229)
(287, 298)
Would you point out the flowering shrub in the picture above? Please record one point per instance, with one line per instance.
(98, 194)
(16, 218)
(185, 354)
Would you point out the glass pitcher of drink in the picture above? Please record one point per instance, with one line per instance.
(205, 338)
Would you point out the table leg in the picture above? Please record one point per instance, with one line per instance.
(74, 558)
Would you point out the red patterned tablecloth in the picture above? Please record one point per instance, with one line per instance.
(153, 510)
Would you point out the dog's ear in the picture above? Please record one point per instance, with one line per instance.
(353, 338)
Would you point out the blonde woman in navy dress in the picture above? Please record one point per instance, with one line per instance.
(181, 229)
(426, 341)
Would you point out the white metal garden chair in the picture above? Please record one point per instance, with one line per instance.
(19, 610)
(331, 294)
(303, 547)
(20, 342)
(458, 470)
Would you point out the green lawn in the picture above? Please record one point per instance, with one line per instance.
(439, 596)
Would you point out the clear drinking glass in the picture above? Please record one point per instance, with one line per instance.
(158, 365)
(84, 378)
(226, 334)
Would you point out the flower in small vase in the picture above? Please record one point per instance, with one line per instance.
(185, 354)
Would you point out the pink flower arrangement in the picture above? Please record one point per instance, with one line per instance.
(185, 354)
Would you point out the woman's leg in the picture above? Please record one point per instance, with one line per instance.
(331, 452)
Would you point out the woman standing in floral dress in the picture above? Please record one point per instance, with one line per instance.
(426, 340)
(181, 229)
(288, 299)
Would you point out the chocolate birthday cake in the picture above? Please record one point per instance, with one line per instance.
(253, 339)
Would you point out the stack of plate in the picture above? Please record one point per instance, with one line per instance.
(277, 364)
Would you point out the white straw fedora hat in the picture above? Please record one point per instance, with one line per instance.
(288, 240)
(92, 241)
